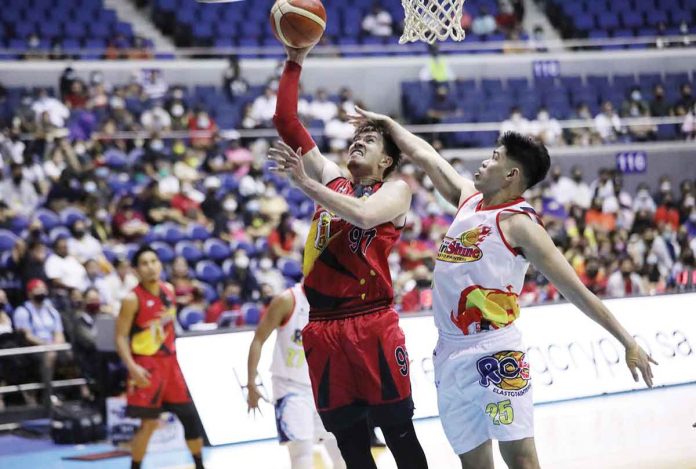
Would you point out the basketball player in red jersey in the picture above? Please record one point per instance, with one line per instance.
(354, 346)
(145, 343)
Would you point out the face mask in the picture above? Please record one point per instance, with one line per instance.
(643, 193)
(203, 121)
(265, 264)
(79, 234)
(164, 172)
(592, 272)
(177, 110)
(92, 308)
(102, 172)
(230, 205)
(577, 177)
(692, 217)
(626, 274)
(90, 187)
(635, 96)
(232, 299)
(242, 262)
(543, 116)
(102, 214)
(156, 145)
(40, 297)
(3, 307)
(17, 179)
(665, 186)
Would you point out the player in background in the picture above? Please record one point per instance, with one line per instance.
(145, 342)
(354, 346)
(481, 373)
(297, 420)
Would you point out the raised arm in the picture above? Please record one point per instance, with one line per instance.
(453, 187)
(288, 123)
(389, 204)
(523, 233)
(278, 313)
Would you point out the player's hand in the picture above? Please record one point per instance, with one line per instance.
(297, 55)
(288, 161)
(636, 358)
(364, 115)
(253, 398)
(140, 376)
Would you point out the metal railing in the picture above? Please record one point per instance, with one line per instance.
(9, 417)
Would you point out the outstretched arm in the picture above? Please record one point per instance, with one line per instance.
(453, 187)
(521, 232)
(390, 203)
(288, 123)
(278, 312)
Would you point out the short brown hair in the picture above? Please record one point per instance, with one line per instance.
(390, 147)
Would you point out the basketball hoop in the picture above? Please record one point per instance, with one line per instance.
(432, 20)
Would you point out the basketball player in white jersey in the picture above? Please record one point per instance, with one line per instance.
(481, 373)
(297, 420)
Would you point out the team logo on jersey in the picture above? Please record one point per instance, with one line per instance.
(507, 371)
(482, 308)
(463, 248)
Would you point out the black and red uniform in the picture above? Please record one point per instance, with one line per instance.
(354, 346)
(153, 347)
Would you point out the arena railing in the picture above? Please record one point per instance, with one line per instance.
(10, 417)
(520, 46)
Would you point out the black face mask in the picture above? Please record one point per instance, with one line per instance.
(17, 179)
(3, 307)
(592, 273)
(626, 274)
(79, 233)
(423, 283)
(40, 297)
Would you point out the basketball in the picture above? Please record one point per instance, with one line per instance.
(298, 23)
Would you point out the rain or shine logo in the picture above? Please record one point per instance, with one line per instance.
(463, 248)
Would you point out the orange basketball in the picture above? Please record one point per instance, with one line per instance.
(298, 23)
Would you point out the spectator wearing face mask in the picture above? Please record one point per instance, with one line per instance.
(18, 192)
(593, 277)
(156, 119)
(41, 324)
(625, 281)
(608, 123)
(281, 241)
(267, 274)
(230, 301)
(643, 201)
(243, 276)
(202, 127)
(547, 129)
(667, 212)
(515, 123)
(63, 270)
(83, 246)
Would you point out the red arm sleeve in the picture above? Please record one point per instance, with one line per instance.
(285, 119)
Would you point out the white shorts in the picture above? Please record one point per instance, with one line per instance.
(484, 390)
(296, 416)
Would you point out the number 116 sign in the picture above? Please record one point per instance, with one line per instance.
(632, 162)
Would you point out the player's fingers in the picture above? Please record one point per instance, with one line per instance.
(646, 376)
(633, 372)
(277, 152)
(284, 146)
(277, 169)
(650, 359)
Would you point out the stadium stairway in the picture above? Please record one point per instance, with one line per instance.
(142, 26)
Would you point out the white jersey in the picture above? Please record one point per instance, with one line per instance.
(478, 275)
(288, 355)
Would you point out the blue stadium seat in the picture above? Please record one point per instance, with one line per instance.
(290, 268)
(656, 17)
(189, 251)
(70, 215)
(632, 19)
(189, 316)
(210, 294)
(209, 272)
(48, 218)
(164, 251)
(7, 240)
(216, 249)
(252, 314)
(608, 20)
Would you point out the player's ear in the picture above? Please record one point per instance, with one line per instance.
(513, 172)
(386, 161)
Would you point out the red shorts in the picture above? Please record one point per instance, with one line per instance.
(167, 387)
(359, 367)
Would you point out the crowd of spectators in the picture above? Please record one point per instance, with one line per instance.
(608, 126)
(230, 233)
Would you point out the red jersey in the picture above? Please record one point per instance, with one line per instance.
(152, 332)
(345, 267)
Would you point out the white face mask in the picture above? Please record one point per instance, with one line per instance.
(265, 264)
(242, 262)
(230, 205)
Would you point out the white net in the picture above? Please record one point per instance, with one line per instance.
(432, 20)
